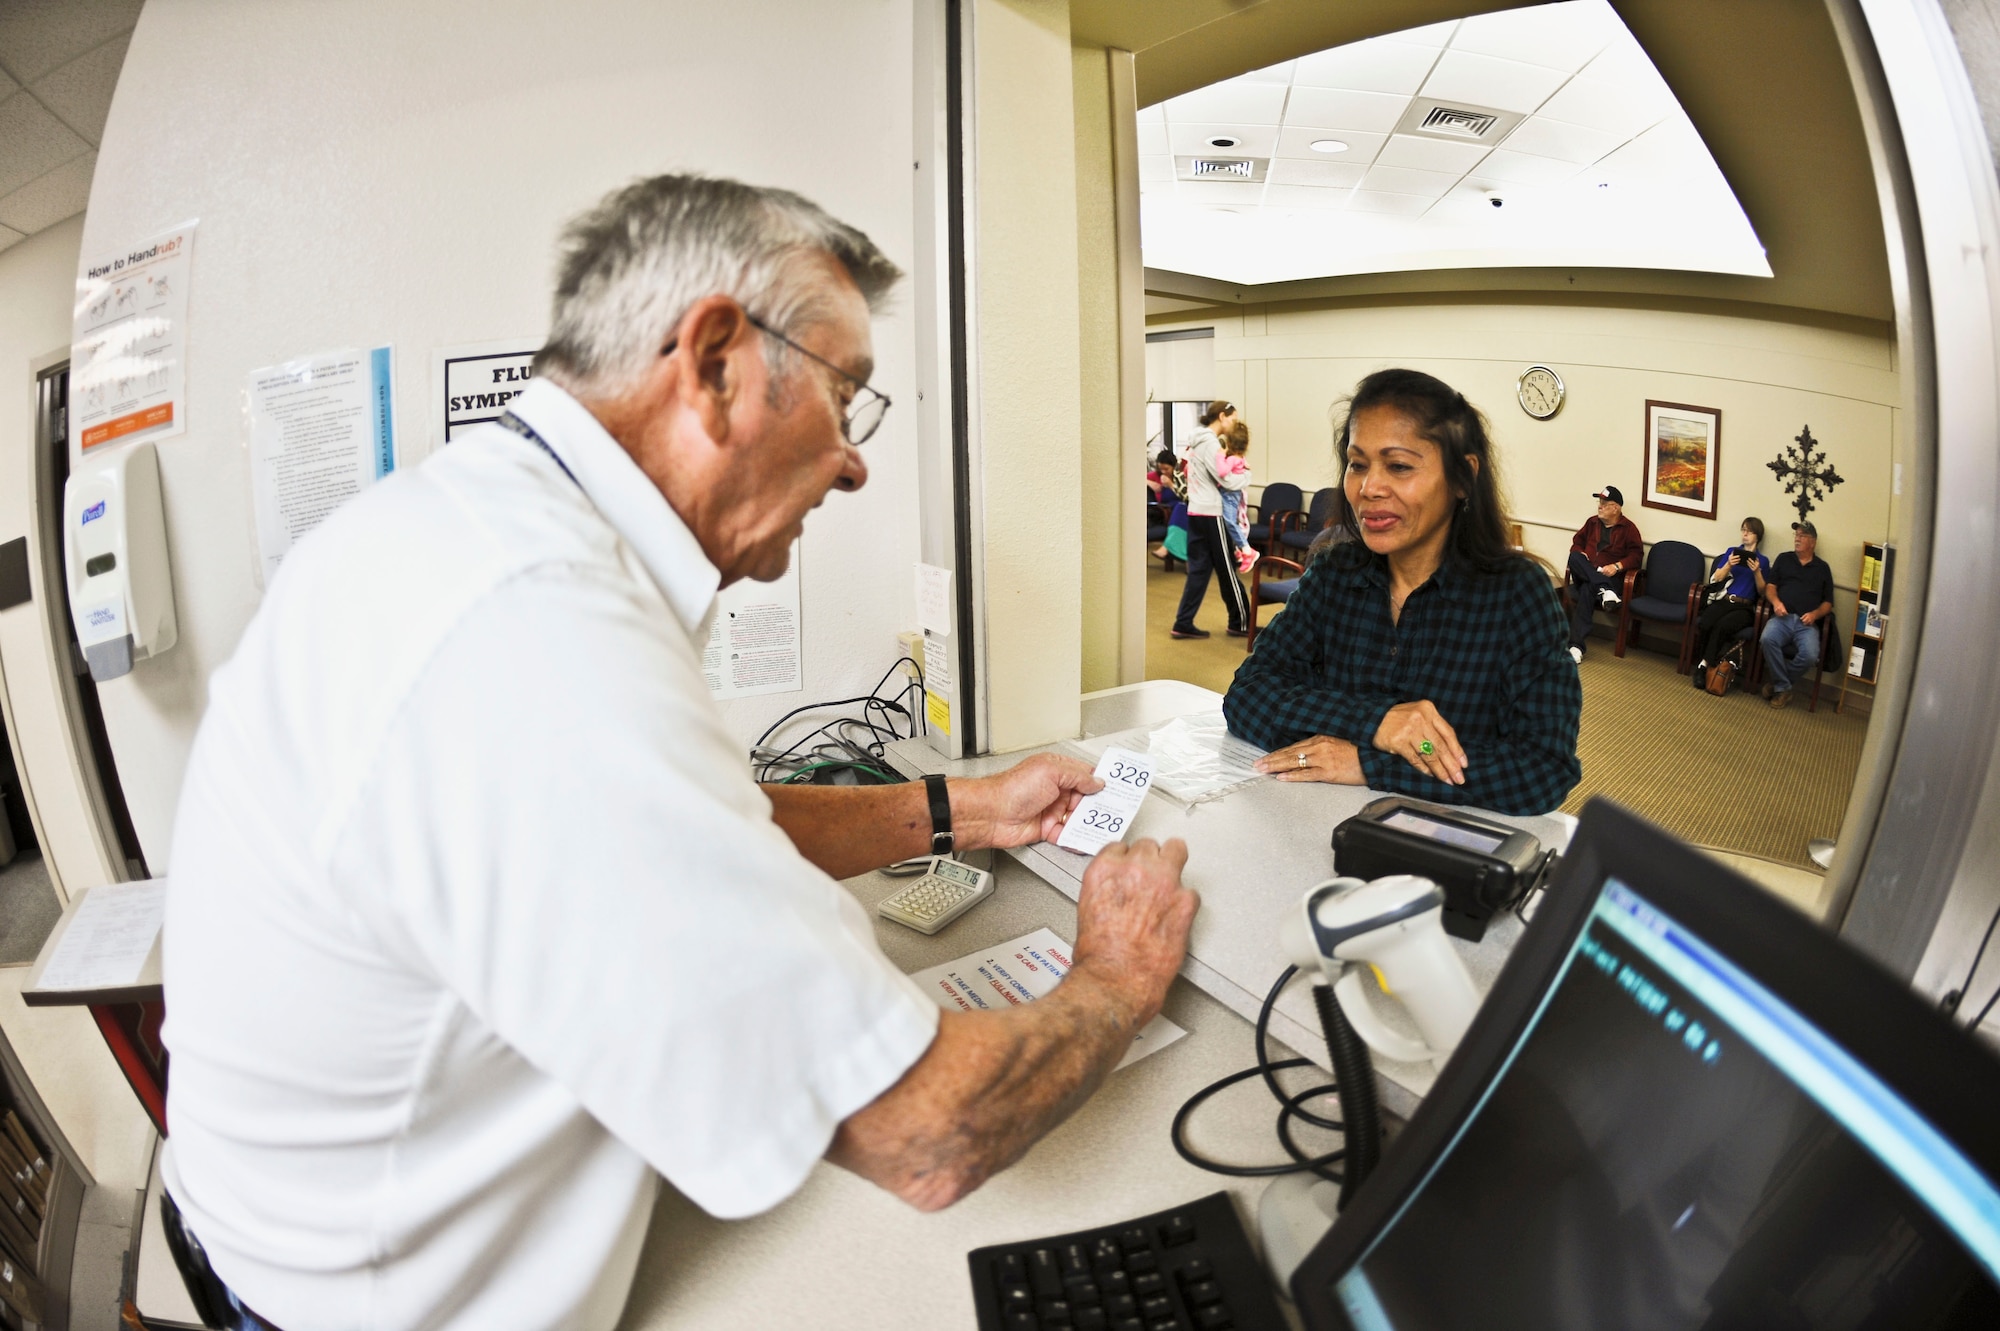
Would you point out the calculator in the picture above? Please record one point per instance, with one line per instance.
(946, 891)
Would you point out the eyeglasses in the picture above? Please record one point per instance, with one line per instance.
(860, 418)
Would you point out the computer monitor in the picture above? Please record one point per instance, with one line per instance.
(1684, 1105)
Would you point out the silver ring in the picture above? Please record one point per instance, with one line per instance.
(1302, 759)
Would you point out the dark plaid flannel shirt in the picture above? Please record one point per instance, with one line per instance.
(1486, 649)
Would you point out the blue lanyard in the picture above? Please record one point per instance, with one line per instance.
(509, 421)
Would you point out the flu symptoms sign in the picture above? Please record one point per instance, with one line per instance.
(476, 383)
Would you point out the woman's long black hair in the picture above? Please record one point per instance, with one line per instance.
(1440, 414)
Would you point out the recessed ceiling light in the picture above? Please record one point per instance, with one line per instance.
(1329, 146)
(1222, 141)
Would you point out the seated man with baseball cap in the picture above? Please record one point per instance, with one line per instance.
(1605, 548)
(1800, 590)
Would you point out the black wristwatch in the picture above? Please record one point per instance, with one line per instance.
(941, 838)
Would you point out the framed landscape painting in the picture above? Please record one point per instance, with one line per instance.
(1683, 458)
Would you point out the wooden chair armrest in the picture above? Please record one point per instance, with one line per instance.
(1632, 576)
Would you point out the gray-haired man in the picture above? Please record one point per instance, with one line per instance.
(477, 919)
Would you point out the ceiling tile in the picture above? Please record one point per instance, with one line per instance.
(1303, 196)
(1221, 192)
(1522, 169)
(80, 92)
(1193, 140)
(1327, 173)
(1297, 141)
(1626, 63)
(1279, 73)
(1484, 80)
(50, 198)
(37, 36)
(1153, 140)
(1155, 168)
(32, 142)
(1402, 180)
(1431, 34)
(9, 237)
(1562, 141)
(1377, 66)
(1231, 103)
(1609, 108)
(1396, 205)
(1430, 154)
(1561, 36)
(1156, 114)
(1333, 108)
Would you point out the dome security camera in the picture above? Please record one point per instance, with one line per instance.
(1495, 200)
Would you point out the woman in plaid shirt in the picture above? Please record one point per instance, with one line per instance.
(1422, 655)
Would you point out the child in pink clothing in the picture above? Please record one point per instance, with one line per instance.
(1235, 512)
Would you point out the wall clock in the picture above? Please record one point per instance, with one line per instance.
(1540, 391)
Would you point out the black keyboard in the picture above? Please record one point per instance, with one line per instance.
(1188, 1269)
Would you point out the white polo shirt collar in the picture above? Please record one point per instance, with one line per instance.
(627, 499)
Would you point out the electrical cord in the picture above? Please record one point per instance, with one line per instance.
(1360, 1125)
(857, 744)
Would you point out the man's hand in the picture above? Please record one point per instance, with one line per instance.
(1608, 570)
(992, 1083)
(1409, 726)
(1132, 921)
(1779, 606)
(1321, 758)
(1024, 804)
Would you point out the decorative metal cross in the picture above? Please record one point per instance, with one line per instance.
(1803, 467)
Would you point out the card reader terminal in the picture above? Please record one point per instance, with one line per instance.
(1483, 866)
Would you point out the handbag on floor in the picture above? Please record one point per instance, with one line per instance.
(1722, 675)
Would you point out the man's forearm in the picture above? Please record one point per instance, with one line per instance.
(990, 1086)
(848, 830)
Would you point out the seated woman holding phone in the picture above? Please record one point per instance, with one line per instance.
(1426, 657)
(1735, 585)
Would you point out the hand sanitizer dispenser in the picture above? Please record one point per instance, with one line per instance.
(115, 556)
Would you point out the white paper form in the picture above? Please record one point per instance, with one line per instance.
(1020, 971)
(753, 639)
(128, 342)
(934, 599)
(1104, 817)
(109, 938)
(1195, 758)
(322, 429)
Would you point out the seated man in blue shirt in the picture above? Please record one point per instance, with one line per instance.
(1800, 591)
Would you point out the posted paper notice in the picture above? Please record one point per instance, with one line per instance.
(753, 640)
(1021, 971)
(109, 938)
(321, 429)
(474, 384)
(128, 342)
(1106, 816)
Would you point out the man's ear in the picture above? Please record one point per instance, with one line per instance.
(708, 341)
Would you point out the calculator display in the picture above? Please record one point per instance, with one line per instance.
(956, 873)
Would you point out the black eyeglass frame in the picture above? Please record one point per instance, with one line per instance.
(855, 409)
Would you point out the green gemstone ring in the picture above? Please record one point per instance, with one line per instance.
(1426, 748)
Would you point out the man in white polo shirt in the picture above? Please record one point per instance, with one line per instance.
(477, 918)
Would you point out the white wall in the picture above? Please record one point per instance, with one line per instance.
(37, 289)
(61, 1049)
(1768, 378)
(370, 171)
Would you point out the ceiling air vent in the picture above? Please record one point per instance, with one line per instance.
(1457, 121)
(1461, 124)
(1232, 170)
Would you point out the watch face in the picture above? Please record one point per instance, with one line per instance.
(1540, 392)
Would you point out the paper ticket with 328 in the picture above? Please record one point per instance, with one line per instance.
(1106, 816)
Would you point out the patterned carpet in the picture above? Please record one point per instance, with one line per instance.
(1729, 772)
